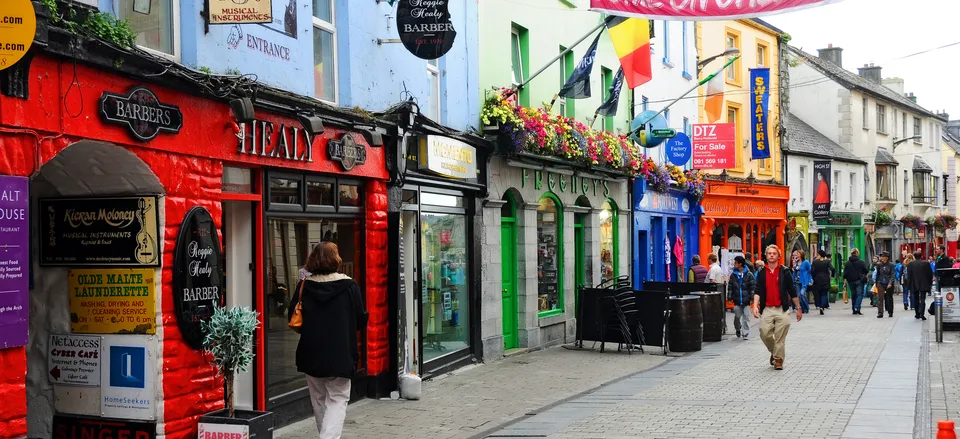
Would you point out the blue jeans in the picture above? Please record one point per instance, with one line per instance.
(856, 293)
(804, 300)
(907, 298)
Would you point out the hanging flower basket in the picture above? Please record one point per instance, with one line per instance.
(914, 222)
(881, 218)
(943, 222)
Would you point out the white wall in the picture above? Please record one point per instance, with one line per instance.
(239, 224)
(849, 195)
(816, 100)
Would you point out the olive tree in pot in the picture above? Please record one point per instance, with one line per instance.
(228, 338)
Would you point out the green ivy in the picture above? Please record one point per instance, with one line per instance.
(233, 71)
(206, 70)
(97, 24)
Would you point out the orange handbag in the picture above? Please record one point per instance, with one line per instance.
(296, 320)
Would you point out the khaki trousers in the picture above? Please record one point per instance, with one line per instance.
(329, 397)
(774, 325)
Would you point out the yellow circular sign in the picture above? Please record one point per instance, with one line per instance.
(18, 25)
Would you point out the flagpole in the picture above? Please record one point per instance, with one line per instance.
(704, 81)
(565, 51)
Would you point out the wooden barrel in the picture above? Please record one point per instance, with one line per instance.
(713, 308)
(686, 324)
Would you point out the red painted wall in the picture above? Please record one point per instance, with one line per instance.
(13, 393)
(378, 345)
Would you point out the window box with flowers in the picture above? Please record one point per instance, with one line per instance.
(881, 218)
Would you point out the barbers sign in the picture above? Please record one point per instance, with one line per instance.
(197, 274)
(141, 112)
(425, 27)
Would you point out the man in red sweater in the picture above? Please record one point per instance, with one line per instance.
(771, 304)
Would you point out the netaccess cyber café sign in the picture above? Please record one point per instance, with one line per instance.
(112, 301)
(448, 157)
(120, 231)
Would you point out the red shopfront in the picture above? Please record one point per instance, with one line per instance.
(272, 196)
(741, 218)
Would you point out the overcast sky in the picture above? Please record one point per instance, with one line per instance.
(883, 32)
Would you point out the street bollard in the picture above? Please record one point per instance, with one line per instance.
(938, 321)
(945, 430)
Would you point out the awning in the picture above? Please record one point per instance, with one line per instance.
(920, 165)
(885, 158)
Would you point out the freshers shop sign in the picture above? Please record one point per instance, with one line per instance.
(448, 157)
(112, 301)
(572, 183)
(714, 146)
(425, 28)
(14, 260)
(72, 427)
(74, 360)
(197, 275)
(141, 112)
(119, 231)
(127, 378)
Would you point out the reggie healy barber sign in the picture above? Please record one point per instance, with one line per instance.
(119, 231)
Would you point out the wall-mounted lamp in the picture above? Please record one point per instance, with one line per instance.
(242, 109)
(312, 124)
(751, 179)
(724, 176)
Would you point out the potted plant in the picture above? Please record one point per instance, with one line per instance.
(228, 339)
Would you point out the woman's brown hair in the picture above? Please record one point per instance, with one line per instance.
(324, 259)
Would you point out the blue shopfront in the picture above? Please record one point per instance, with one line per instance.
(658, 221)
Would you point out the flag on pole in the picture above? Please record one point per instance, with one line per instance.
(609, 107)
(578, 84)
(714, 102)
(631, 40)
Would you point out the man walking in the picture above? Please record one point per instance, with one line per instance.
(771, 303)
(884, 284)
(920, 277)
(715, 275)
(740, 291)
(943, 261)
(855, 277)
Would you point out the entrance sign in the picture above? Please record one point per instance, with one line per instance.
(113, 301)
(118, 231)
(679, 149)
(448, 157)
(425, 28)
(702, 10)
(714, 146)
(197, 275)
(18, 26)
(14, 260)
(141, 112)
(74, 360)
(240, 11)
(127, 378)
(73, 427)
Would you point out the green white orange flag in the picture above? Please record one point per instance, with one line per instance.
(631, 40)
(714, 101)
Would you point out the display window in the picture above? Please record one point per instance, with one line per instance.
(608, 240)
(550, 256)
(446, 290)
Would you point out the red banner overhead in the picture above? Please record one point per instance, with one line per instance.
(701, 9)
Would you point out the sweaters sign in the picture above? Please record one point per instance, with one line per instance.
(760, 106)
(701, 10)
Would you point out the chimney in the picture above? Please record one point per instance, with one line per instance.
(943, 114)
(912, 97)
(953, 127)
(832, 54)
(870, 72)
(895, 84)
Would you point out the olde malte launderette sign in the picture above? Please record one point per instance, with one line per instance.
(141, 112)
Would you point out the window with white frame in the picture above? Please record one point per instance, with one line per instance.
(893, 121)
(833, 187)
(686, 55)
(324, 51)
(666, 42)
(853, 188)
(803, 181)
(886, 186)
(881, 118)
(922, 187)
(156, 24)
(433, 76)
(866, 111)
(516, 60)
(904, 124)
(916, 129)
(645, 103)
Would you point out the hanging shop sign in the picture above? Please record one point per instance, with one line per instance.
(425, 28)
(838, 219)
(701, 10)
(73, 427)
(15, 260)
(264, 139)
(74, 360)
(197, 274)
(679, 149)
(99, 231)
(347, 152)
(576, 184)
(759, 102)
(714, 146)
(141, 112)
(240, 11)
(19, 26)
(448, 157)
(112, 301)
(127, 380)
(821, 189)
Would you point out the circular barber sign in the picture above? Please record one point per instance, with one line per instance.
(425, 28)
(18, 25)
(197, 275)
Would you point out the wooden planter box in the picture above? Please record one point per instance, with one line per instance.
(250, 424)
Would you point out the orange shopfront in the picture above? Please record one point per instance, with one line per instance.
(740, 218)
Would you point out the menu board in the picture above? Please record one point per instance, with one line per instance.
(547, 261)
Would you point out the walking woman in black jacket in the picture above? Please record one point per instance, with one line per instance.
(821, 280)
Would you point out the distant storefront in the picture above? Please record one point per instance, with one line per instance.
(741, 218)
(839, 235)
(662, 221)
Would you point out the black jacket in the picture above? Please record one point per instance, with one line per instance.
(855, 270)
(943, 261)
(920, 276)
(741, 292)
(332, 313)
(788, 290)
(821, 275)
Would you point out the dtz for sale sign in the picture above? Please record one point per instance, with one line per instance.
(714, 146)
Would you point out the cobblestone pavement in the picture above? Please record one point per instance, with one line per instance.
(473, 400)
(944, 376)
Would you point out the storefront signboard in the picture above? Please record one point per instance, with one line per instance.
(263, 138)
(234, 11)
(15, 261)
(714, 146)
(347, 152)
(73, 427)
(127, 378)
(112, 301)
(448, 157)
(575, 184)
(679, 149)
(121, 231)
(670, 203)
(17, 32)
(838, 219)
(425, 28)
(741, 208)
(197, 274)
(222, 431)
(141, 112)
(74, 360)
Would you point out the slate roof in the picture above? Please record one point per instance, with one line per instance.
(767, 25)
(854, 81)
(884, 157)
(951, 141)
(920, 165)
(805, 140)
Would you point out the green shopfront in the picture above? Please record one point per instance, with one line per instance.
(551, 227)
(838, 236)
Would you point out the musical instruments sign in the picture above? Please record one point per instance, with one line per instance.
(118, 231)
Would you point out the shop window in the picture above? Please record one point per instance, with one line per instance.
(284, 191)
(288, 243)
(320, 193)
(300, 193)
(324, 51)
(350, 195)
(735, 238)
(155, 22)
(237, 180)
(608, 240)
(886, 186)
(441, 200)
(716, 239)
(549, 256)
(446, 291)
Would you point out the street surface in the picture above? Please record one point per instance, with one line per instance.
(845, 376)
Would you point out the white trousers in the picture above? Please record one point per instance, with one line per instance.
(329, 397)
